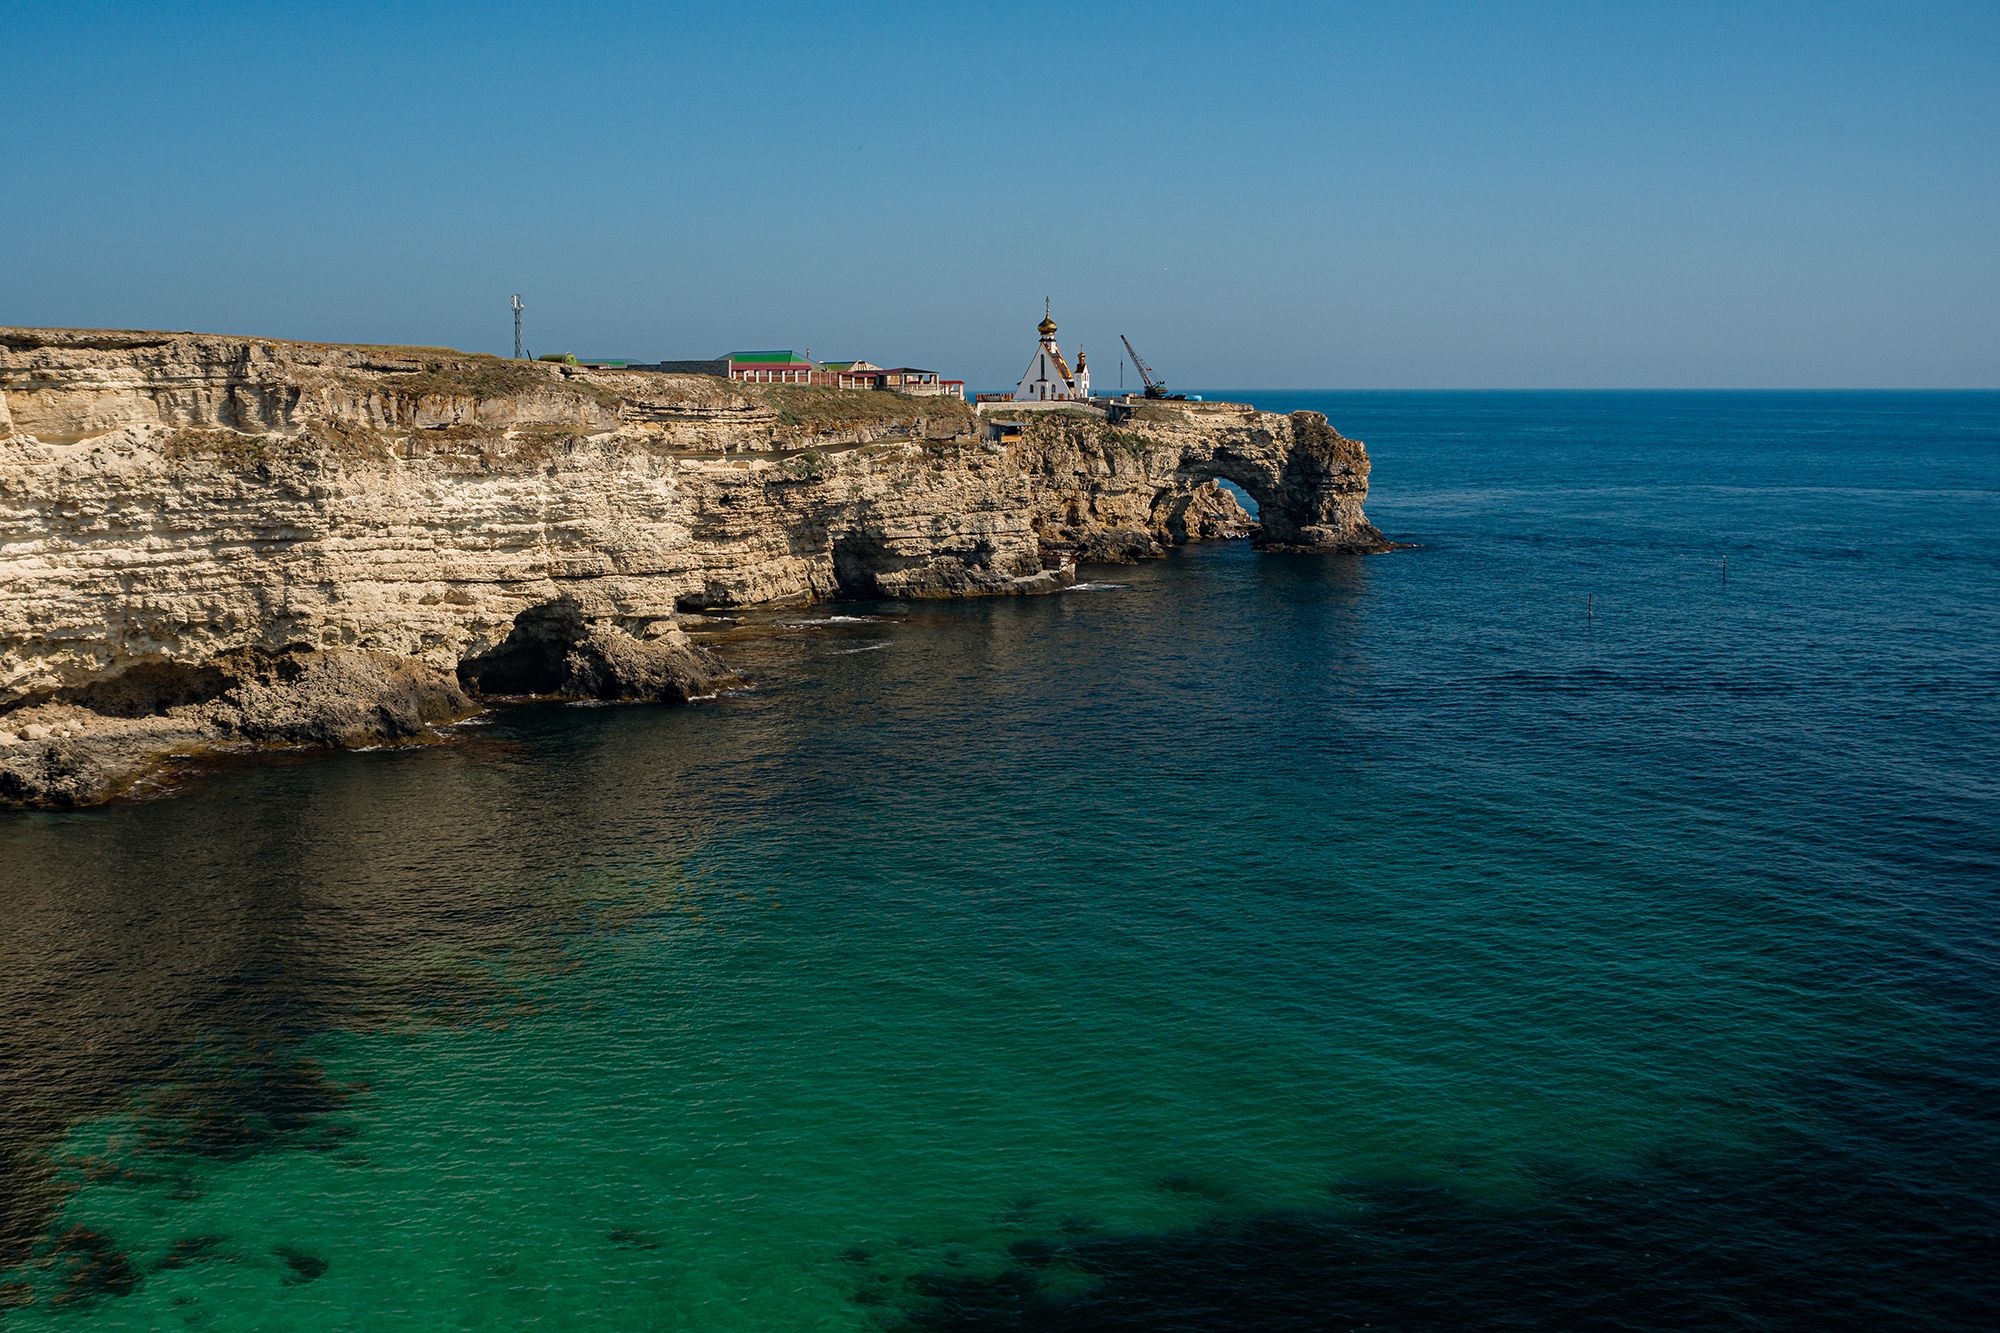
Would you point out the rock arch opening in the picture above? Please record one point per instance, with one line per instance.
(1219, 499)
(1307, 490)
(1243, 497)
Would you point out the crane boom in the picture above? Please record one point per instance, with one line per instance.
(1154, 387)
(1145, 371)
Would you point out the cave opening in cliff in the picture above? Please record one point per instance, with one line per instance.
(534, 657)
(152, 687)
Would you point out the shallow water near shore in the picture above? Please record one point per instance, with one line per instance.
(1584, 919)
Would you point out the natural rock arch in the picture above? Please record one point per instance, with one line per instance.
(1308, 489)
(1309, 485)
(1254, 477)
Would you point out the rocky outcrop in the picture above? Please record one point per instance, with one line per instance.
(95, 743)
(208, 539)
(555, 651)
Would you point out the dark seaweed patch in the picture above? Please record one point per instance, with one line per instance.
(190, 1249)
(1193, 1187)
(1020, 1210)
(631, 1238)
(89, 1265)
(246, 1110)
(1035, 1252)
(305, 1267)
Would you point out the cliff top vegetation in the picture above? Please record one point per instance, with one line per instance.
(813, 407)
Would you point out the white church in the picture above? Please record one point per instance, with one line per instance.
(1048, 378)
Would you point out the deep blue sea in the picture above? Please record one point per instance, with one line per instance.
(1584, 919)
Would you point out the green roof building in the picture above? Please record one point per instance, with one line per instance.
(773, 367)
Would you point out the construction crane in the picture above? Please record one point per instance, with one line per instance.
(1154, 388)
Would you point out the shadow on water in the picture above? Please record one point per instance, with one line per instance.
(173, 963)
(175, 960)
(1813, 1236)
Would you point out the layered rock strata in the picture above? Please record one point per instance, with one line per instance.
(209, 539)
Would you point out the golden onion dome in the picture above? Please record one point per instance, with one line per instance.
(1047, 326)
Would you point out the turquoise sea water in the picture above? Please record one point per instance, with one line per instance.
(1586, 919)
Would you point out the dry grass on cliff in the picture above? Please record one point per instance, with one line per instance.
(467, 376)
(230, 448)
(653, 388)
(1088, 433)
(472, 449)
(1129, 442)
(241, 451)
(813, 407)
(539, 444)
(410, 350)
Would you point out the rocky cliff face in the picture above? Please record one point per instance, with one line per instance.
(208, 538)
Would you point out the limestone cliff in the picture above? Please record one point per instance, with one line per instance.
(210, 537)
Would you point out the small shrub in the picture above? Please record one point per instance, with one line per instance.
(1128, 442)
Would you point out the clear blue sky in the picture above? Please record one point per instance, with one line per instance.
(1368, 195)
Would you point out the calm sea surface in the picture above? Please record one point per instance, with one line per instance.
(1585, 920)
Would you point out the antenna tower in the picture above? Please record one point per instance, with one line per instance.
(515, 302)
